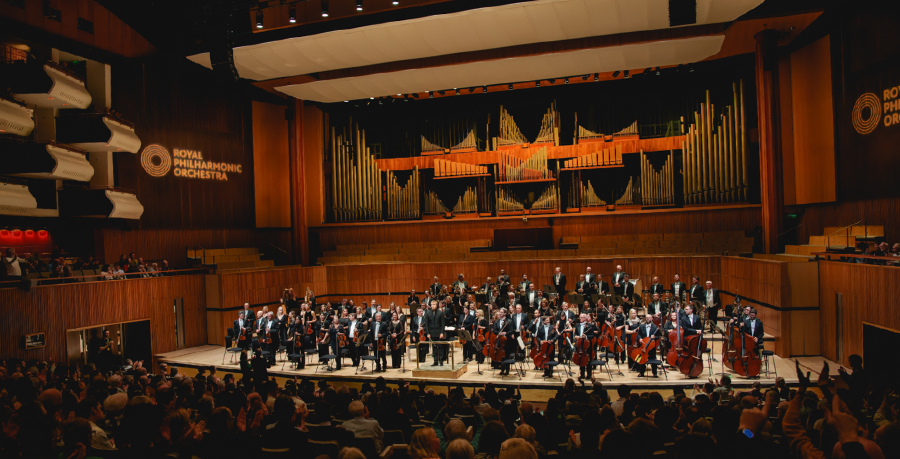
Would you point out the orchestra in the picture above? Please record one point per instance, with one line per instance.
(618, 321)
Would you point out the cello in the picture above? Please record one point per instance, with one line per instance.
(641, 352)
(488, 335)
(747, 363)
(692, 363)
(545, 354)
(676, 338)
(498, 353)
(582, 354)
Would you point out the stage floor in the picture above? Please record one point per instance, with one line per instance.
(210, 355)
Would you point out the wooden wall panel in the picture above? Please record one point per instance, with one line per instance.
(813, 123)
(271, 166)
(882, 211)
(172, 245)
(869, 294)
(55, 309)
(690, 220)
(313, 172)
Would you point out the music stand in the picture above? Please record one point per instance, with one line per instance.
(480, 298)
(595, 299)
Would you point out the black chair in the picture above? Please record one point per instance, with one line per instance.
(325, 359)
(766, 355)
(309, 352)
(394, 437)
(229, 343)
(327, 448)
(511, 363)
(659, 364)
(602, 363)
(294, 359)
(367, 445)
(554, 366)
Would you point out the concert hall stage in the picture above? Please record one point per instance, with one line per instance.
(209, 355)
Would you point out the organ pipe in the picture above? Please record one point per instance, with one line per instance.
(433, 204)
(508, 202)
(403, 201)
(467, 203)
(547, 200)
(356, 182)
(534, 168)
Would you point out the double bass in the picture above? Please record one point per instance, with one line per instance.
(676, 341)
(692, 363)
(747, 363)
(498, 353)
(488, 333)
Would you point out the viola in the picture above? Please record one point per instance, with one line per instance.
(582, 354)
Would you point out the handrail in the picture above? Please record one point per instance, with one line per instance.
(846, 227)
(127, 276)
(856, 255)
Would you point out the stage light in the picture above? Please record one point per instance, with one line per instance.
(359, 6)
(17, 233)
(552, 81)
(657, 70)
(510, 86)
(567, 81)
(596, 77)
(457, 92)
(29, 233)
(324, 8)
(292, 14)
(430, 95)
(42, 233)
(537, 84)
(626, 74)
(4, 233)
(484, 89)
(371, 98)
(395, 3)
(346, 101)
(584, 78)
(615, 74)
(259, 19)
(441, 92)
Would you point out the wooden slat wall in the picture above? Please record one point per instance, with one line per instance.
(271, 166)
(814, 218)
(764, 281)
(172, 245)
(55, 309)
(869, 295)
(685, 221)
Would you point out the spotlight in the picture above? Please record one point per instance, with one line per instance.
(626, 74)
(648, 69)
(395, 3)
(657, 70)
(596, 77)
(552, 81)
(292, 14)
(259, 19)
(510, 86)
(457, 92)
(430, 95)
(346, 101)
(441, 92)
(359, 5)
(324, 8)
(371, 98)
(615, 74)
(567, 81)
(584, 78)
(484, 89)
(537, 84)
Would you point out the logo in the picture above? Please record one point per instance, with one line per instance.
(156, 160)
(866, 113)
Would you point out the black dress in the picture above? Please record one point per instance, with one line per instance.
(397, 354)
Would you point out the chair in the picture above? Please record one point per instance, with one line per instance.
(395, 452)
(326, 359)
(659, 364)
(393, 437)
(310, 352)
(366, 358)
(511, 363)
(602, 363)
(229, 342)
(293, 358)
(367, 445)
(766, 354)
(554, 366)
(327, 448)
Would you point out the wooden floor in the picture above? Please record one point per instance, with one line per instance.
(210, 355)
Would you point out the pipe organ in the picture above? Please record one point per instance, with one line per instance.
(356, 181)
(549, 126)
(433, 205)
(715, 153)
(547, 200)
(403, 201)
(657, 186)
(534, 168)
(469, 143)
(508, 202)
(444, 169)
(606, 157)
(589, 197)
(428, 147)
(509, 131)
(627, 198)
(467, 203)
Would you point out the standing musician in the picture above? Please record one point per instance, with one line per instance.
(397, 331)
(525, 285)
(503, 283)
(378, 331)
(371, 311)
(564, 330)
(505, 327)
(601, 286)
(415, 324)
(449, 314)
(335, 329)
(412, 301)
(467, 321)
(713, 303)
(238, 331)
(353, 329)
(754, 327)
(618, 280)
(487, 286)
(564, 314)
(509, 301)
(657, 308)
(617, 321)
(586, 308)
(480, 324)
(460, 288)
(249, 315)
(546, 333)
(690, 323)
(559, 281)
(627, 290)
(295, 330)
(520, 324)
(313, 327)
(272, 334)
(322, 337)
(647, 330)
(259, 328)
(345, 318)
(493, 295)
(533, 297)
(583, 287)
(434, 326)
(656, 287)
(589, 276)
(545, 309)
(435, 288)
(587, 330)
(696, 292)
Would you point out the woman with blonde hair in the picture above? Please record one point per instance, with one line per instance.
(424, 444)
(460, 449)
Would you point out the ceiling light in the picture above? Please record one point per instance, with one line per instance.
(567, 81)
(510, 86)
(537, 84)
(346, 101)
(395, 2)
(626, 74)
(372, 98)
(584, 78)
(324, 8)
(359, 5)
(292, 14)
(484, 89)
(259, 19)
(615, 74)
(457, 92)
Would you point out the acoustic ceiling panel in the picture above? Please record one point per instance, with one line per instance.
(472, 30)
(501, 71)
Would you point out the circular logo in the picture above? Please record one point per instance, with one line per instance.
(866, 113)
(156, 160)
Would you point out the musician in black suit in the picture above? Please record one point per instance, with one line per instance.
(294, 330)
(696, 292)
(565, 314)
(271, 328)
(532, 298)
(468, 320)
(249, 316)
(525, 284)
(520, 321)
(754, 327)
(434, 327)
(335, 329)
(412, 301)
(588, 330)
(562, 324)
(601, 286)
(582, 286)
(690, 323)
(657, 308)
(460, 288)
(546, 333)
(677, 287)
(627, 289)
(712, 302)
(589, 276)
(435, 288)
(503, 283)
(354, 328)
(238, 331)
(645, 330)
(378, 330)
(559, 282)
(370, 312)
(415, 324)
(504, 327)
(656, 287)
(618, 280)
(487, 285)
(449, 314)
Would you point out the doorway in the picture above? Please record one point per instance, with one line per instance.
(108, 346)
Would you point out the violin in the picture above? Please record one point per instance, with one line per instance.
(309, 328)
(298, 341)
(268, 337)
(422, 336)
(342, 339)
